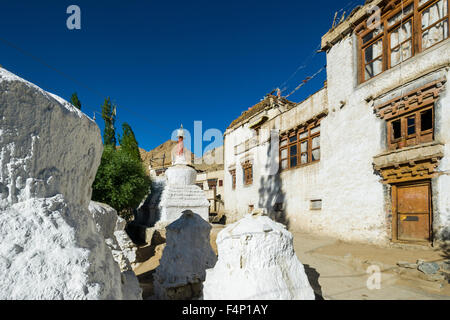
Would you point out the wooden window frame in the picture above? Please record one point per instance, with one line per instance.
(309, 138)
(381, 37)
(293, 139)
(391, 30)
(212, 183)
(286, 147)
(418, 137)
(391, 9)
(247, 168)
(233, 179)
(297, 133)
(420, 31)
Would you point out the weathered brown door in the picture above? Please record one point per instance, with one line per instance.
(413, 211)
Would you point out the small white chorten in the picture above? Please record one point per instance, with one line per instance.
(257, 261)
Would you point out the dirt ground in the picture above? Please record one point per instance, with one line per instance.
(338, 270)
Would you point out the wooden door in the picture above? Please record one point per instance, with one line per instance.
(413, 211)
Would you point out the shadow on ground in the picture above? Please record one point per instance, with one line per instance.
(146, 284)
(444, 245)
(313, 277)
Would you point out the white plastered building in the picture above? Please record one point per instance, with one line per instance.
(366, 158)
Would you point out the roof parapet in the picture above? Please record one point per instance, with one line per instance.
(346, 27)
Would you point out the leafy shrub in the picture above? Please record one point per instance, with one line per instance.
(121, 181)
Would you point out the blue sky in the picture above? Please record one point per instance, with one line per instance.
(168, 62)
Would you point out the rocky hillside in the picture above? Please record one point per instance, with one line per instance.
(155, 157)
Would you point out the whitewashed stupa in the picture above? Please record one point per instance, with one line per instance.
(257, 261)
(180, 192)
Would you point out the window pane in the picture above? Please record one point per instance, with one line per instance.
(283, 143)
(435, 34)
(402, 53)
(293, 138)
(434, 13)
(397, 37)
(373, 34)
(373, 51)
(304, 135)
(421, 2)
(396, 129)
(374, 68)
(315, 142)
(411, 125)
(315, 130)
(407, 50)
(398, 16)
(368, 37)
(304, 146)
(395, 56)
(284, 164)
(401, 34)
(293, 162)
(316, 155)
(293, 150)
(426, 120)
(304, 158)
(284, 153)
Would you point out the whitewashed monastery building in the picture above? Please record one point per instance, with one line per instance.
(366, 158)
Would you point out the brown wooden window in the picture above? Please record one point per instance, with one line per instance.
(212, 183)
(411, 129)
(247, 167)
(284, 161)
(404, 31)
(233, 178)
(300, 147)
(372, 52)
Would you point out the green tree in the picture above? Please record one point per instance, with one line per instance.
(109, 116)
(75, 101)
(128, 142)
(121, 181)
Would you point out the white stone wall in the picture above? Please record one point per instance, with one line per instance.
(441, 185)
(238, 200)
(49, 154)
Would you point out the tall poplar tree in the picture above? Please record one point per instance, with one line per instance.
(128, 142)
(75, 101)
(108, 115)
